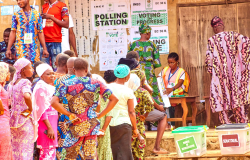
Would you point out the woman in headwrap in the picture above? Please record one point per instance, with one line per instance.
(149, 59)
(45, 117)
(123, 116)
(5, 136)
(21, 117)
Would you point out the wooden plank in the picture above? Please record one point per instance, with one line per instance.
(229, 16)
(188, 39)
(174, 119)
(244, 18)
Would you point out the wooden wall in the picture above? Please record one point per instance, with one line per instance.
(5, 21)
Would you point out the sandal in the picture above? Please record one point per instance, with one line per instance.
(161, 151)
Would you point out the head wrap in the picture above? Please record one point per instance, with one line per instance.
(216, 21)
(19, 65)
(42, 68)
(134, 82)
(4, 70)
(131, 63)
(144, 28)
(109, 76)
(121, 71)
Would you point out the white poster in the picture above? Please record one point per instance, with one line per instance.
(159, 35)
(110, 15)
(7, 10)
(112, 47)
(152, 12)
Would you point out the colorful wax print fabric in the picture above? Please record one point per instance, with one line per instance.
(144, 105)
(27, 22)
(227, 59)
(149, 60)
(79, 95)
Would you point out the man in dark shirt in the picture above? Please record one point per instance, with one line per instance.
(3, 48)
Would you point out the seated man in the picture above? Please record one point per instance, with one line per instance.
(80, 95)
(3, 48)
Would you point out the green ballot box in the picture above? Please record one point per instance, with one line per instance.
(190, 141)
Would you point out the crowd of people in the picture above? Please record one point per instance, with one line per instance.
(52, 107)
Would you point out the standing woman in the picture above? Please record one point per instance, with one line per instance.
(45, 116)
(5, 136)
(21, 117)
(123, 123)
(149, 59)
(104, 143)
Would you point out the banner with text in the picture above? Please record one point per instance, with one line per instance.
(112, 47)
(152, 12)
(110, 15)
(159, 35)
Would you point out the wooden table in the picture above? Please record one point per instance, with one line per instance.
(183, 101)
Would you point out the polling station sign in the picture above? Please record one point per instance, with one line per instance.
(110, 15)
(152, 12)
(159, 35)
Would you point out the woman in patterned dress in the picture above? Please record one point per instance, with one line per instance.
(5, 135)
(104, 143)
(144, 105)
(149, 59)
(21, 117)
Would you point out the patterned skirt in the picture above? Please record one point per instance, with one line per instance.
(22, 141)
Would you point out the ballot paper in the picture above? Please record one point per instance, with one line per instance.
(162, 90)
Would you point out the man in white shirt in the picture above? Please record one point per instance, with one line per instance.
(68, 37)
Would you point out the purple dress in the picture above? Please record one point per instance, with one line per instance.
(22, 129)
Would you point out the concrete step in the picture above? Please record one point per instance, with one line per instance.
(168, 144)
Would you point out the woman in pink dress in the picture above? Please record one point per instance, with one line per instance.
(21, 117)
(5, 136)
(45, 117)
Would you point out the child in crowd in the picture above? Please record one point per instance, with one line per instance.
(61, 65)
(12, 71)
(45, 117)
(70, 53)
(3, 48)
(104, 144)
(22, 129)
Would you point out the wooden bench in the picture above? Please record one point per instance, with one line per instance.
(209, 154)
(183, 101)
